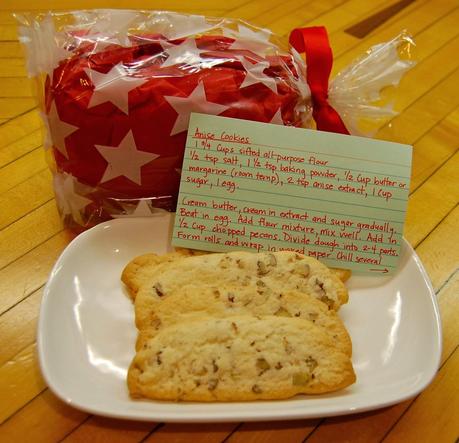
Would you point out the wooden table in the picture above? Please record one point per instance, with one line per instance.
(31, 235)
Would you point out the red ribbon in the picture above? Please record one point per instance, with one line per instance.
(319, 59)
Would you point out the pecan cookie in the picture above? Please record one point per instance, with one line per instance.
(278, 271)
(136, 271)
(239, 358)
(193, 302)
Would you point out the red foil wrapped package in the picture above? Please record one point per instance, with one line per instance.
(117, 89)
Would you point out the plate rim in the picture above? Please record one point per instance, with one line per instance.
(197, 417)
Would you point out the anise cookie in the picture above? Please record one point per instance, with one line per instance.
(239, 358)
(136, 271)
(193, 302)
(278, 271)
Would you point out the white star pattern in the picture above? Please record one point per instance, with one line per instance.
(108, 21)
(106, 26)
(277, 118)
(297, 56)
(255, 75)
(49, 38)
(301, 71)
(304, 89)
(58, 130)
(114, 86)
(195, 102)
(101, 43)
(141, 210)
(125, 160)
(185, 53)
(246, 39)
(174, 26)
(47, 142)
(68, 200)
(58, 54)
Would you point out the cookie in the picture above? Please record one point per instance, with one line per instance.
(343, 274)
(134, 275)
(239, 358)
(278, 271)
(136, 272)
(193, 302)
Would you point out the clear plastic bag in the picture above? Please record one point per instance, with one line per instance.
(116, 88)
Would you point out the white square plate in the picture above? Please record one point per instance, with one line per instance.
(86, 334)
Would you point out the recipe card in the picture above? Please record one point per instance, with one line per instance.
(262, 187)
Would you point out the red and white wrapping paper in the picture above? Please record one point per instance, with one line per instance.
(119, 86)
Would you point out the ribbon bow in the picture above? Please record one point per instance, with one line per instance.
(319, 59)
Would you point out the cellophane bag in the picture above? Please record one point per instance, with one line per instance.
(116, 89)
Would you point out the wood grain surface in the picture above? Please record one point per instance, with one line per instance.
(32, 237)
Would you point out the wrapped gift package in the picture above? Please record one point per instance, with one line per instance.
(116, 89)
